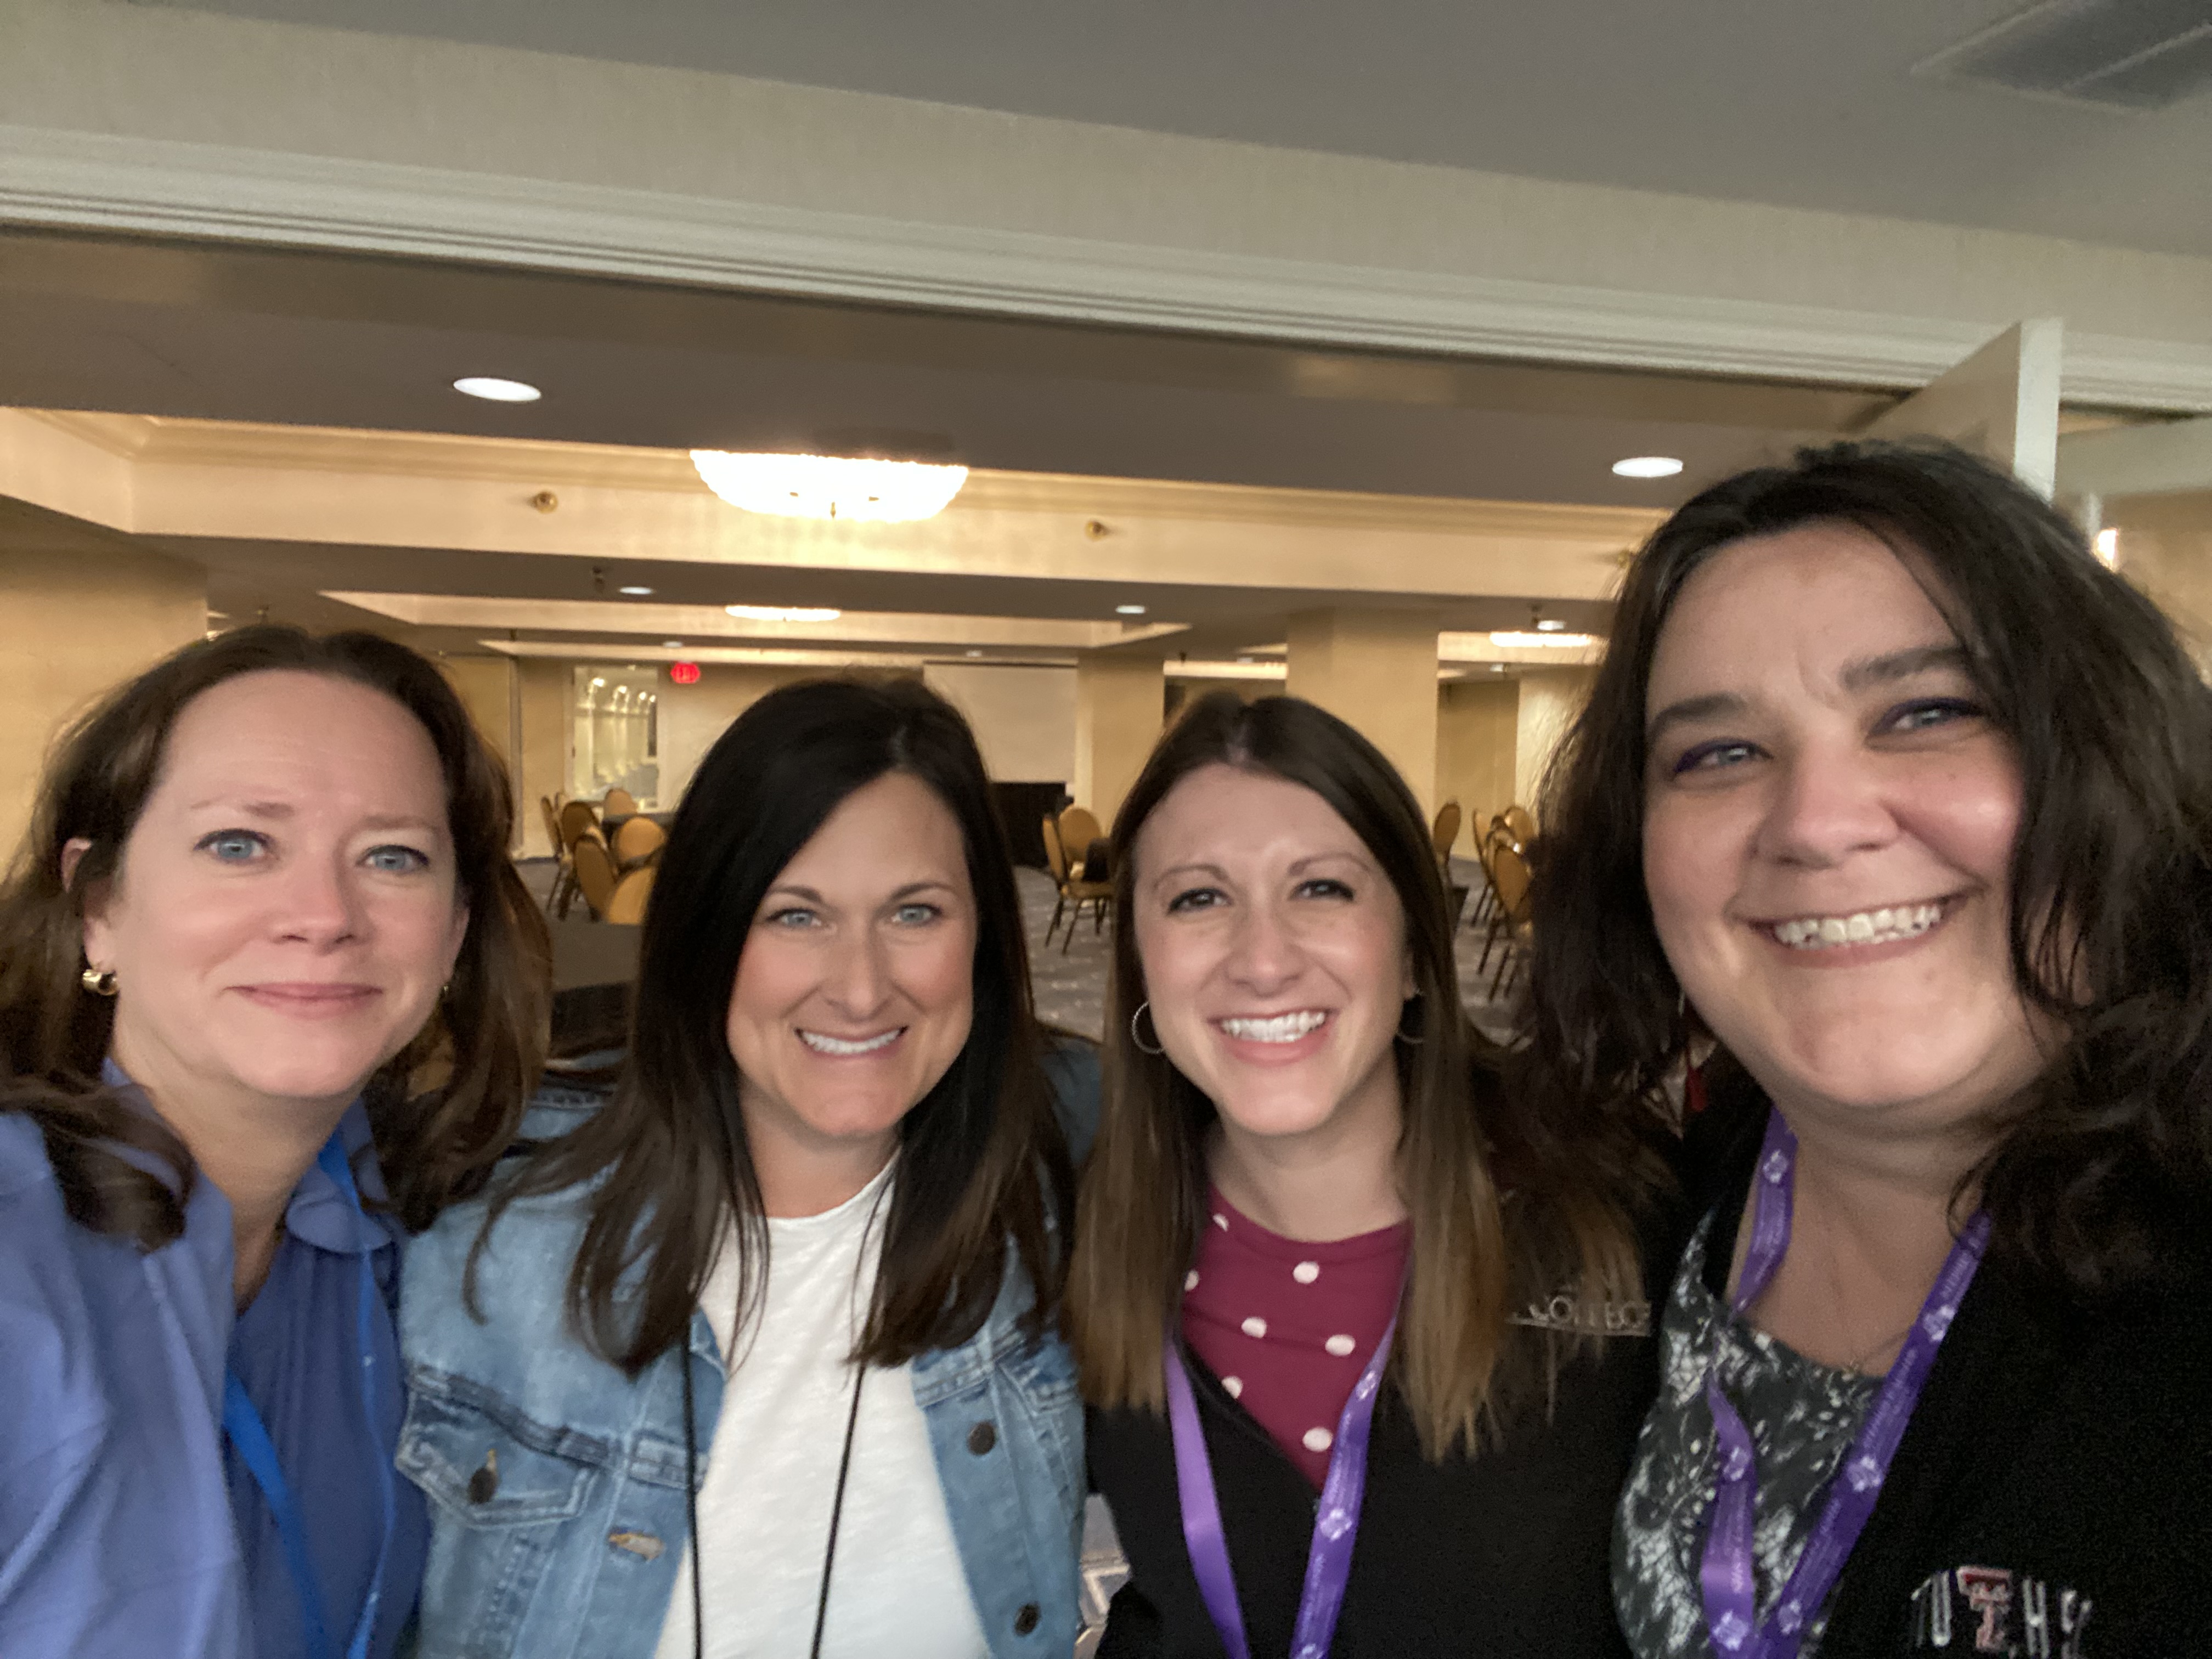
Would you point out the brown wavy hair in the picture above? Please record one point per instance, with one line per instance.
(1461, 1365)
(665, 1166)
(483, 1046)
(2097, 1163)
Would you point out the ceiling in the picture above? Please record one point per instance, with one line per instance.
(351, 341)
(1799, 104)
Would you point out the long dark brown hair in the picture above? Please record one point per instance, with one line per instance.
(483, 1046)
(981, 1160)
(1460, 1362)
(2111, 879)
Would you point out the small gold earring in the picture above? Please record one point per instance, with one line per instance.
(100, 981)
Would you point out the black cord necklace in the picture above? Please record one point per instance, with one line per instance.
(691, 1509)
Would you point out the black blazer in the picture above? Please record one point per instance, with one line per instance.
(2056, 1480)
(1502, 1555)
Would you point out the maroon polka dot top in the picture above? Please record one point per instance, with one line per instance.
(1288, 1325)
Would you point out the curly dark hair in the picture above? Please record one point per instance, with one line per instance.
(2107, 1153)
(443, 1109)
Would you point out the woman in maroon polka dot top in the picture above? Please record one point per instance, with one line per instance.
(1303, 1140)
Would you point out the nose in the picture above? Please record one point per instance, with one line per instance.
(1830, 802)
(1264, 955)
(320, 901)
(857, 980)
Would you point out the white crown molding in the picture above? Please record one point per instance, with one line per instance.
(97, 182)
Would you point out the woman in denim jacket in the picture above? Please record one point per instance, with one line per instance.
(806, 1256)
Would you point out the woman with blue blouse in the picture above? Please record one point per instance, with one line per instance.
(270, 993)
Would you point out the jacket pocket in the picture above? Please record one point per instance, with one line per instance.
(506, 1493)
(483, 1463)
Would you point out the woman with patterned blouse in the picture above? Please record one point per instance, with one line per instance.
(1893, 806)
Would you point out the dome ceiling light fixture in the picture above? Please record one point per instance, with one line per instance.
(1647, 466)
(493, 389)
(1544, 633)
(783, 613)
(867, 488)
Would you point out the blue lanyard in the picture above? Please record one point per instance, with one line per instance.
(251, 1436)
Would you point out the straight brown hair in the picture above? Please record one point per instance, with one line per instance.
(1461, 1365)
(984, 1174)
(483, 1046)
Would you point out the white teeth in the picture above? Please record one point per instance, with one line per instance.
(1861, 927)
(829, 1045)
(1283, 1028)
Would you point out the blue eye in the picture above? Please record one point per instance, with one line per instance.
(397, 860)
(916, 914)
(792, 918)
(234, 846)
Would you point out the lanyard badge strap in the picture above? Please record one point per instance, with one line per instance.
(1727, 1577)
(1336, 1523)
(243, 1423)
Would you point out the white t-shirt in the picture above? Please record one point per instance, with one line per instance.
(897, 1586)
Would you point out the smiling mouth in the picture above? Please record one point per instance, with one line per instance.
(843, 1048)
(1888, 926)
(1275, 1027)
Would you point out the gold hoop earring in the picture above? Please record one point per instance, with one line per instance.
(100, 981)
(1142, 1046)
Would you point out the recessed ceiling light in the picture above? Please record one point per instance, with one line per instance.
(1549, 626)
(1498, 668)
(1244, 659)
(1513, 639)
(830, 486)
(1129, 610)
(495, 390)
(671, 644)
(637, 592)
(784, 613)
(975, 654)
(1648, 466)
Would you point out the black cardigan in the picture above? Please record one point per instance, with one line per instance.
(2059, 1458)
(1501, 1555)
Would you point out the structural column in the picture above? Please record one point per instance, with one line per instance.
(81, 609)
(1376, 670)
(1118, 699)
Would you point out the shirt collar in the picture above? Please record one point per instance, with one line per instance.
(318, 1212)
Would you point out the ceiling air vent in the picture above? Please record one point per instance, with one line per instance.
(2119, 54)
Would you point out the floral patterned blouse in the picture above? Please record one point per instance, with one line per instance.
(1802, 1417)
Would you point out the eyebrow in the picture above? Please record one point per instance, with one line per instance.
(1297, 865)
(927, 884)
(1860, 675)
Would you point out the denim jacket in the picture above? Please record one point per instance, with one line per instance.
(556, 1483)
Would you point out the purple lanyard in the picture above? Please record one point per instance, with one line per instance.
(1336, 1524)
(1727, 1575)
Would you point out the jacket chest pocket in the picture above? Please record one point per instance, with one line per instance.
(482, 1466)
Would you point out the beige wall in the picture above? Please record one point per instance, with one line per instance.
(1024, 718)
(2165, 550)
(486, 687)
(693, 716)
(1118, 703)
(80, 611)
(1550, 700)
(1376, 671)
(547, 732)
(1476, 736)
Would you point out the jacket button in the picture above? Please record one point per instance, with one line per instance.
(1026, 1620)
(980, 1439)
(484, 1485)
